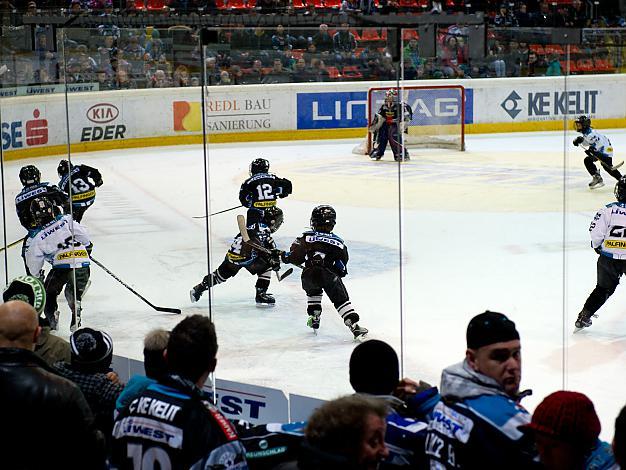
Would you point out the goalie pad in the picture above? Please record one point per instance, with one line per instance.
(377, 124)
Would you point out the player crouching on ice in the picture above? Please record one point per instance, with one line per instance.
(391, 115)
(325, 257)
(242, 255)
(597, 147)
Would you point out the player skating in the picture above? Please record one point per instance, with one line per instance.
(325, 257)
(608, 239)
(243, 255)
(84, 181)
(597, 147)
(33, 187)
(261, 190)
(64, 244)
(388, 121)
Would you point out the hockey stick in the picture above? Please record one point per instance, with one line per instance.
(215, 213)
(158, 309)
(16, 242)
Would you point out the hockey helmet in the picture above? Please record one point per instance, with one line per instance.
(273, 218)
(64, 168)
(391, 95)
(42, 210)
(582, 123)
(30, 174)
(28, 289)
(259, 165)
(620, 189)
(323, 218)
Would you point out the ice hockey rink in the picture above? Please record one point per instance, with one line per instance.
(502, 226)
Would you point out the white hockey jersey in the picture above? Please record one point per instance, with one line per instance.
(55, 243)
(599, 142)
(608, 230)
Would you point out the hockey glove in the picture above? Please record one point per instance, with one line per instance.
(275, 259)
(284, 256)
(578, 140)
(598, 249)
(98, 182)
(89, 248)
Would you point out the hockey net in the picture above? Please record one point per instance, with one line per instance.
(438, 116)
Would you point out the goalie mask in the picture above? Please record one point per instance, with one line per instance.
(30, 175)
(260, 165)
(323, 219)
(273, 218)
(582, 123)
(391, 96)
(620, 189)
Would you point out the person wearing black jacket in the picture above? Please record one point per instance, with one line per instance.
(39, 409)
(173, 423)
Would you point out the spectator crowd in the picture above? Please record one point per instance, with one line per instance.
(69, 404)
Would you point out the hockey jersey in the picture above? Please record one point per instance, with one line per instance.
(608, 231)
(261, 190)
(26, 196)
(83, 189)
(396, 111)
(243, 254)
(61, 242)
(598, 142)
(319, 249)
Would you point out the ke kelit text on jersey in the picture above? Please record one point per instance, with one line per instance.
(153, 407)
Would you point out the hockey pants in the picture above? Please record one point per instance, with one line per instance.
(606, 162)
(228, 269)
(609, 271)
(254, 216)
(389, 132)
(315, 281)
(58, 278)
(78, 212)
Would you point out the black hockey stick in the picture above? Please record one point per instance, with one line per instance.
(16, 242)
(158, 309)
(215, 213)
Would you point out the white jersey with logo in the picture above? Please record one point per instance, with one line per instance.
(61, 242)
(608, 230)
(599, 142)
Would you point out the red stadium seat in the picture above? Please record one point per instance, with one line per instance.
(603, 65)
(572, 66)
(156, 4)
(369, 34)
(585, 65)
(408, 34)
(333, 72)
(554, 49)
(352, 72)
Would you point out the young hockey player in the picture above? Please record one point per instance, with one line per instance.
(386, 127)
(325, 257)
(33, 187)
(65, 244)
(261, 190)
(607, 239)
(597, 147)
(84, 181)
(242, 255)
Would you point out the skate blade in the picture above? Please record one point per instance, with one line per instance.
(265, 305)
(597, 186)
(361, 338)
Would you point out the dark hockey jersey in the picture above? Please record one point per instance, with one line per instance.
(26, 196)
(244, 254)
(319, 249)
(84, 180)
(261, 190)
(173, 425)
(397, 111)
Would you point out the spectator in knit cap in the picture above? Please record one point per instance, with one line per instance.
(475, 426)
(90, 369)
(619, 439)
(375, 371)
(566, 429)
(30, 289)
(154, 344)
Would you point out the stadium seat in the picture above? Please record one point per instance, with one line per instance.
(423, 4)
(352, 72)
(332, 3)
(603, 65)
(572, 66)
(574, 49)
(357, 36)
(537, 49)
(298, 4)
(554, 49)
(333, 72)
(156, 4)
(297, 53)
(585, 65)
(408, 34)
(369, 34)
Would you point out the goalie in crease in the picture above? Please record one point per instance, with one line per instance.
(386, 127)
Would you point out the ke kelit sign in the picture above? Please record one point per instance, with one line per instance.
(538, 105)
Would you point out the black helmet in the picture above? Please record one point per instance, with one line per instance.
(620, 189)
(273, 218)
(260, 165)
(582, 123)
(42, 210)
(323, 218)
(29, 174)
(64, 168)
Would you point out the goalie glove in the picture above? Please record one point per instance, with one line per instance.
(377, 124)
(578, 140)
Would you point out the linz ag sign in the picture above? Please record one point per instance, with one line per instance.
(103, 114)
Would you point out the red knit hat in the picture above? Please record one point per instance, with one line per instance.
(567, 416)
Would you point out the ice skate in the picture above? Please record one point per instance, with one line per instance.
(596, 182)
(583, 321)
(196, 292)
(358, 331)
(76, 320)
(375, 156)
(263, 299)
(314, 321)
(53, 319)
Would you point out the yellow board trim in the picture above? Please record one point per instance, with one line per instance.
(285, 135)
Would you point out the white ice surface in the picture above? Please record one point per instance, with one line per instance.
(502, 226)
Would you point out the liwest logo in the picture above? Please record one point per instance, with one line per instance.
(187, 116)
(36, 131)
(331, 110)
(550, 103)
